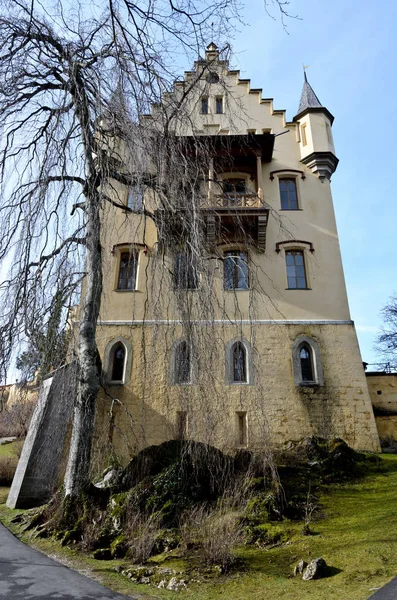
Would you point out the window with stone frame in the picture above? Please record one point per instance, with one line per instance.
(117, 362)
(219, 105)
(128, 269)
(239, 363)
(288, 194)
(235, 270)
(204, 105)
(296, 272)
(306, 361)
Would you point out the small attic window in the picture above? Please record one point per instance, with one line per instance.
(212, 77)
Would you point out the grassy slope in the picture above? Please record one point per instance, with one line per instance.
(10, 449)
(357, 536)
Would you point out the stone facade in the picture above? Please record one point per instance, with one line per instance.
(383, 393)
(268, 324)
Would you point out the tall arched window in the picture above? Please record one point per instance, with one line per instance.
(306, 363)
(239, 363)
(182, 366)
(118, 362)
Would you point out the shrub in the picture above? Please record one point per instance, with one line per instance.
(141, 532)
(222, 532)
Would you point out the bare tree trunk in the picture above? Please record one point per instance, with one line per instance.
(78, 468)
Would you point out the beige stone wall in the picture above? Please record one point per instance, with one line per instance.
(268, 316)
(145, 409)
(383, 393)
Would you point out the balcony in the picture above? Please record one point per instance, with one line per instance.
(235, 218)
(233, 201)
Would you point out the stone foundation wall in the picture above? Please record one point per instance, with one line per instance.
(383, 393)
(144, 410)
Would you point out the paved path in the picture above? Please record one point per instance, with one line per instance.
(387, 592)
(26, 574)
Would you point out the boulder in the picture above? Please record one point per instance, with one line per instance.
(315, 570)
(300, 567)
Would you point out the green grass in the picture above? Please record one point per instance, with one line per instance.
(356, 534)
(10, 449)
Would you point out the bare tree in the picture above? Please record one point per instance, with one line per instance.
(387, 339)
(60, 73)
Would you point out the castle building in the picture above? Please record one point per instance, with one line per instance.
(250, 343)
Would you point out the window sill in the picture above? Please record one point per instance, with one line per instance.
(115, 383)
(126, 291)
(298, 289)
(237, 290)
(292, 209)
(310, 384)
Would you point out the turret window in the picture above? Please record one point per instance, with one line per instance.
(303, 134)
(235, 274)
(288, 195)
(296, 273)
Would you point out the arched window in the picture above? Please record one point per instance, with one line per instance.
(239, 363)
(306, 362)
(118, 362)
(182, 365)
(305, 357)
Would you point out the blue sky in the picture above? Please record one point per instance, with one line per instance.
(350, 48)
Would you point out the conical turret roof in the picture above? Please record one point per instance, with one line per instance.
(308, 97)
(309, 101)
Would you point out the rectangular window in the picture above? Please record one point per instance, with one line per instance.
(303, 134)
(296, 273)
(185, 273)
(242, 428)
(204, 105)
(288, 195)
(235, 270)
(128, 270)
(329, 134)
(135, 197)
(234, 192)
(219, 105)
(181, 425)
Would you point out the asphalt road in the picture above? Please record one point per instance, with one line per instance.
(387, 592)
(28, 574)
